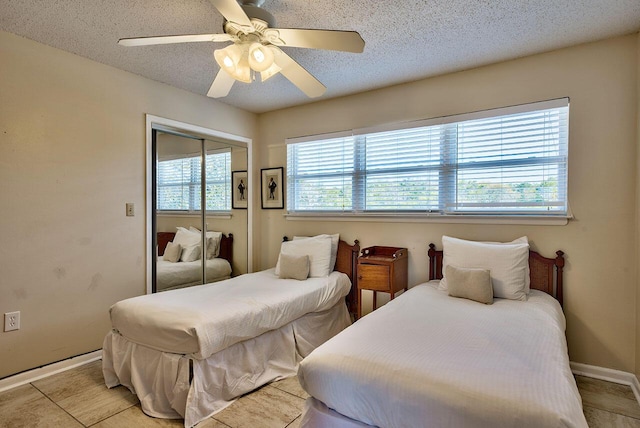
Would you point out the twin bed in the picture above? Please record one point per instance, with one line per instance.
(188, 353)
(429, 359)
(423, 359)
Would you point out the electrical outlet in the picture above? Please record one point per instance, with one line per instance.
(130, 209)
(12, 321)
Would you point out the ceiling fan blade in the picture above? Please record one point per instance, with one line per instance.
(164, 40)
(346, 41)
(221, 85)
(298, 75)
(232, 12)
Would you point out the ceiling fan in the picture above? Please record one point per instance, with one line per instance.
(256, 47)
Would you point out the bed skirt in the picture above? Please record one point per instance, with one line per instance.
(161, 380)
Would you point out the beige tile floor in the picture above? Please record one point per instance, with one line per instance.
(78, 398)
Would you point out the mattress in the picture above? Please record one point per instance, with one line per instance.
(428, 359)
(174, 275)
(202, 320)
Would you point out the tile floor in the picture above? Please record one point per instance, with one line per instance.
(78, 398)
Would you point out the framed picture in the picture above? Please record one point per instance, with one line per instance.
(239, 190)
(272, 186)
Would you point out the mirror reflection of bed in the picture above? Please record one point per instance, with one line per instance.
(172, 274)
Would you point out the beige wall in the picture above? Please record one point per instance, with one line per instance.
(72, 153)
(600, 79)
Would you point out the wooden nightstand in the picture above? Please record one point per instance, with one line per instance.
(381, 269)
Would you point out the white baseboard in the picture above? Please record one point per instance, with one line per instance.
(48, 370)
(610, 375)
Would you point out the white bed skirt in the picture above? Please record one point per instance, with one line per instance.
(161, 379)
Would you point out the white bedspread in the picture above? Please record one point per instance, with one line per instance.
(201, 320)
(172, 275)
(427, 359)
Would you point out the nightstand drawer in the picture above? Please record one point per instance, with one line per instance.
(373, 277)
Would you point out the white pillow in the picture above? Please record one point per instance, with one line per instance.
(317, 248)
(213, 242)
(527, 278)
(507, 263)
(185, 237)
(190, 253)
(335, 239)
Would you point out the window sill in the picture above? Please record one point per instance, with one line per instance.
(224, 216)
(421, 218)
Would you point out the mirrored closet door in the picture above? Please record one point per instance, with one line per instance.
(198, 236)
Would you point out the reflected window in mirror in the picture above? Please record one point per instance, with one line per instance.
(179, 183)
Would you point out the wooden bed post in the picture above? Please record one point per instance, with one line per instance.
(559, 266)
(432, 254)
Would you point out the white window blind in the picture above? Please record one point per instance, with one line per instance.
(510, 161)
(179, 183)
(324, 179)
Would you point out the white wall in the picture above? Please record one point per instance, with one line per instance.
(72, 153)
(600, 243)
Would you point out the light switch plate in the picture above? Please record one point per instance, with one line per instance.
(130, 209)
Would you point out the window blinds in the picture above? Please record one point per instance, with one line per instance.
(179, 183)
(324, 174)
(505, 161)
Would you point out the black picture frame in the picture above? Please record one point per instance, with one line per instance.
(272, 196)
(239, 190)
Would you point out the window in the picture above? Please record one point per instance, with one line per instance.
(510, 161)
(179, 183)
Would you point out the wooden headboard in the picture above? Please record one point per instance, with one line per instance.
(347, 262)
(542, 271)
(226, 244)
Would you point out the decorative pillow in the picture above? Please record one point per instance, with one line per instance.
(318, 249)
(172, 252)
(190, 253)
(294, 267)
(507, 263)
(472, 284)
(335, 239)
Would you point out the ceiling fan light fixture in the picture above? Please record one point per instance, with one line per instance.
(233, 60)
(270, 72)
(260, 57)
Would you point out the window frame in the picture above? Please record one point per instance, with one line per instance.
(441, 214)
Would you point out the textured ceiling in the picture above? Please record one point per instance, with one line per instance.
(406, 40)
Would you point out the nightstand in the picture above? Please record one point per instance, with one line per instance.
(381, 269)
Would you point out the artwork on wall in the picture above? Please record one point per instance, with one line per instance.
(239, 190)
(272, 188)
